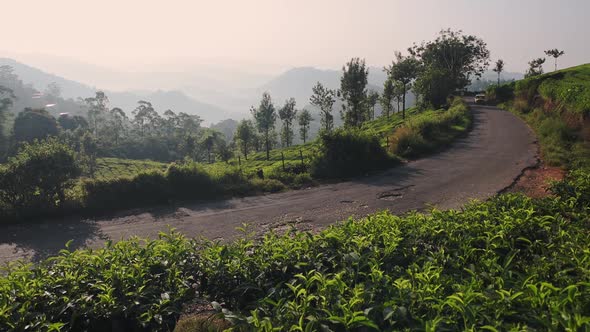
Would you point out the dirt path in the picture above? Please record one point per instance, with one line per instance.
(488, 160)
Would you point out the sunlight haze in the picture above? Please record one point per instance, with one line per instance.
(270, 36)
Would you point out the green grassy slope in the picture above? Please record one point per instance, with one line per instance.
(556, 105)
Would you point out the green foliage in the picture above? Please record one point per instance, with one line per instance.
(32, 124)
(134, 285)
(245, 135)
(345, 153)
(287, 114)
(304, 120)
(449, 62)
(323, 98)
(402, 71)
(35, 180)
(496, 94)
(353, 91)
(535, 68)
(431, 130)
(509, 264)
(555, 105)
(265, 117)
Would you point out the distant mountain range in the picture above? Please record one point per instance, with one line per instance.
(176, 100)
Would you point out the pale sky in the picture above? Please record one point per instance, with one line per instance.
(323, 33)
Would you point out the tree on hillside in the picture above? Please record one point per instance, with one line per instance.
(265, 116)
(32, 124)
(499, 68)
(97, 110)
(245, 136)
(372, 99)
(170, 123)
(68, 122)
(117, 120)
(89, 153)
(387, 97)
(144, 117)
(304, 121)
(403, 71)
(535, 67)
(448, 64)
(323, 98)
(287, 114)
(188, 124)
(353, 92)
(555, 53)
(209, 140)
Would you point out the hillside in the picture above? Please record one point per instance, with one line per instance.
(556, 105)
(162, 100)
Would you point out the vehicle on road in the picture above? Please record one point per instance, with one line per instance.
(480, 98)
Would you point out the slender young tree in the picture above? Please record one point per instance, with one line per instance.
(353, 92)
(387, 97)
(404, 70)
(265, 116)
(372, 99)
(324, 99)
(245, 135)
(555, 53)
(210, 139)
(287, 114)
(499, 68)
(535, 67)
(97, 108)
(304, 121)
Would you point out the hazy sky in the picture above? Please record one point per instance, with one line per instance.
(274, 33)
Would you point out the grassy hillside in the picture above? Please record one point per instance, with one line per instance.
(557, 106)
(382, 127)
(109, 168)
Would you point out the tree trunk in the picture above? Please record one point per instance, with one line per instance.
(267, 146)
(404, 104)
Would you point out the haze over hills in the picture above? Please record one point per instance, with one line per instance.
(127, 100)
(209, 93)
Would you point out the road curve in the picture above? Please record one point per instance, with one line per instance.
(478, 166)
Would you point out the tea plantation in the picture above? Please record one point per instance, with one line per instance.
(512, 263)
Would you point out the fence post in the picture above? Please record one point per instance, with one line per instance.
(239, 162)
(387, 138)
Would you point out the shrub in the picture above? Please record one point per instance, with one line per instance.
(500, 94)
(345, 153)
(267, 185)
(145, 188)
(190, 180)
(431, 130)
(134, 285)
(35, 180)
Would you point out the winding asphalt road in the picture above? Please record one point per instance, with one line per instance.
(486, 161)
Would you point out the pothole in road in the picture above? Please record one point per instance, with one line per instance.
(346, 201)
(389, 196)
(393, 194)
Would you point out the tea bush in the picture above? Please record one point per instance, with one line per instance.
(431, 130)
(349, 152)
(509, 264)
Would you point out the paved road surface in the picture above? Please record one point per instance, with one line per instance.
(488, 160)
